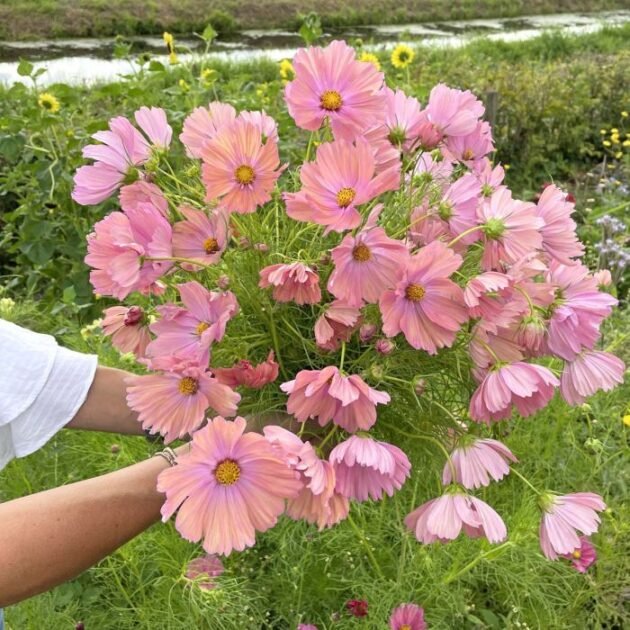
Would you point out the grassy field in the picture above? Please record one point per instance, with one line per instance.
(27, 19)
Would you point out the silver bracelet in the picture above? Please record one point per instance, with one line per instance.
(169, 455)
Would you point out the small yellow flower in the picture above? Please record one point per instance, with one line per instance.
(603, 131)
(402, 56)
(626, 143)
(606, 143)
(208, 76)
(172, 58)
(626, 419)
(506, 167)
(183, 86)
(287, 72)
(48, 102)
(613, 131)
(169, 40)
(624, 114)
(614, 139)
(619, 155)
(6, 305)
(370, 58)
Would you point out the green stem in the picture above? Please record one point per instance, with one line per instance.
(190, 261)
(477, 560)
(343, 355)
(327, 438)
(368, 549)
(525, 481)
(459, 237)
(309, 147)
(529, 299)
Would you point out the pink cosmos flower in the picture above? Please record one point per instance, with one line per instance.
(204, 570)
(252, 376)
(295, 282)
(442, 519)
(142, 192)
(458, 207)
(477, 461)
(189, 331)
(306, 626)
(386, 156)
(203, 124)
(402, 119)
(119, 246)
(603, 278)
(588, 373)
(229, 486)
(201, 236)
(366, 332)
(336, 324)
(365, 266)
(365, 468)
(583, 557)
(357, 607)
(511, 229)
(123, 149)
(429, 170)
(330, 83)
(239, 169)
(267, 125)
(127, 328)
(328, 395)
(578, 312)
(488, 176)
(483, 294)
(560, 240)
(471, 148)
(453, 112)
(384, 346)
(426, 306)
(527, 386)
(407, 617)
(174, 402)
(425, 227)
(341, 178)
(563, 517)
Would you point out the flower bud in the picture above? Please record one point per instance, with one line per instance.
(223, 282)
(366, 332)
(384, 346)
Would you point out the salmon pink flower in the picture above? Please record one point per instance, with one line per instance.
(365, 468)
(428, 170)
(386, 156)
(511, 229)
(239, 169)
(201, 236)
(458, 207)
(443, 519)
(578, 311)
(295, 282)
(426, 306)
(476, 461)
(328, 395)
(306, 626)
(330, 83)
(229, 486)
(122, 151)
(603, 278)
(453, 112)
(365, 266)
(560, 240)
(127, 328)
(583, 557)
(336, 324)
(483, 294)
(471, 148)
(342, 177)
(267, 125)
(402, 119)
(252, 376)
(142, 192)
(174, 402)
(189, 331)
(407, 617)
(588, 373)
(204, 570)
(488, 176)
(526, 386)
(119, 246)
(203, 124)
(563, 517)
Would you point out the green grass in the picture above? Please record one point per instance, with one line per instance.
(27, 19)
(297, 574)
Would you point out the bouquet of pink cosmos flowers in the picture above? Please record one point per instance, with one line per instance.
(388, 288)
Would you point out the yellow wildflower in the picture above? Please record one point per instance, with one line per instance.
(169, 40)
(603, 131)
(6, 305)
(183, 86)
(619, 155)
(48, 102)
(402, 56)
(208, 76)
(606, 143)
(370, 58)
(287, 72)
(614, 139)
(624, 114)
(613, 131)
(626, 143)
(626, 419)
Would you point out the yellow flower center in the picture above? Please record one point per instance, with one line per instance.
(577, 554)
(468, 154)
(227, 472)
(331, 100)
(361, 253)
(345, 197)
(245, 174)
(211, 245)
(188, 386)
(414, 292)
(405, 626)
(201, 326)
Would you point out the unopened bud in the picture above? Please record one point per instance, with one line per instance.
(419, 385)
(223, 282)
(366, 332)
(384, 346)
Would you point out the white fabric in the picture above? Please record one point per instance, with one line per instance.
(42, 386)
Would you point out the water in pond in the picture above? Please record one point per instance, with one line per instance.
(76, 61)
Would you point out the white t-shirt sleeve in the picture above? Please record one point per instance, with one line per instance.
(42, 386)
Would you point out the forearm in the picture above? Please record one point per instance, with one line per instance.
(50, 537)
(105, 408)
